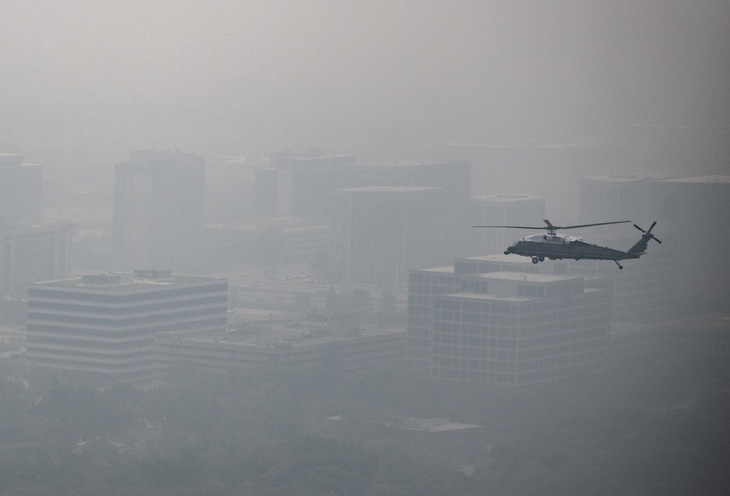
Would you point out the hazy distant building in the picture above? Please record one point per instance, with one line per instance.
(20, 189)
(100, 329)
(616, 197)
(523, 328)
(275, 342)
(378, 233)
(158, 211)
(271, 242)
(453, 176)
(501, 210)
(646, 288)
(697, 211)
(33, 253)
(300, 184)
(703, 335)
(424, 286)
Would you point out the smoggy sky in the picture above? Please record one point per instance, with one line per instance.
(223, 74)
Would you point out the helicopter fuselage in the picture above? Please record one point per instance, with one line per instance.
(559, 246)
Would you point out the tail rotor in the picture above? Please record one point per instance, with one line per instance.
(647, 234)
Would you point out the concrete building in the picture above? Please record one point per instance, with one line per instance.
(646, 288)
(300, 184)
(502, 210)
(701, 335)
(275, 340)
(32, 253)
(616, 197)
(697, 211)
(158, 211)
(526, 328)
(275, 241)
(20, 189)
(378, 233)
(100, 329)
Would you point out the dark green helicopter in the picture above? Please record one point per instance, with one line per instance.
(559, 246)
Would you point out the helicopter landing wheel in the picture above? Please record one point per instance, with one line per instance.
(621, 267)
(542, 259)
(534, 260)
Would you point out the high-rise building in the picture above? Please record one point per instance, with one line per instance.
(158, 211)
(100, 329)
(300, 184)
(378, 233)
(697, 211)
(501, 210)
(33, 253)
(523, 328)
(20, 189)
(618, 197)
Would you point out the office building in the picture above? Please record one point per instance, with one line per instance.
(502, 210)
(20, 189)
(378, 233)
(273, 340)
(300, 184)
(697, 211)
(279, 240)
(525, 328)
(616, 197)
(32, 253)
(100, 329)
(158, 211)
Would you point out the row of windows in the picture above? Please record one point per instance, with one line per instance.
(200, 324)
(73, 307)
(125, 322)
(121, 296)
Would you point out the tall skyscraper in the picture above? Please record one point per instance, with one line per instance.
(378, 233)
(618, 197)
(20, 189)
(158, 211)
(697, 211)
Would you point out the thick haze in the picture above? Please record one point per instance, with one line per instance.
(109, 77)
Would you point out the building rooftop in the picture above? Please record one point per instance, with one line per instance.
(492, 297)
(442, 270)
(281, 334)
(701, 179)
(510, 197)
(627, 177)
(531, 277)
(128, 281)
(413, 163)
(389, 189)
(498, 257)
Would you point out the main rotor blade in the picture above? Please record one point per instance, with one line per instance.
(589, 225)
(517, 227)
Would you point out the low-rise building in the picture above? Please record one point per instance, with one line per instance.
(100, 329)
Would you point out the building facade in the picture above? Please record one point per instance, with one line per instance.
(20, 189)
(100, 329)
(278, 343)
(158, 211)
(526, 328)
(32, 253)
(501, 210)
(378, 233)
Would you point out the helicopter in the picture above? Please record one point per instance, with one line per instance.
(559, 246)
